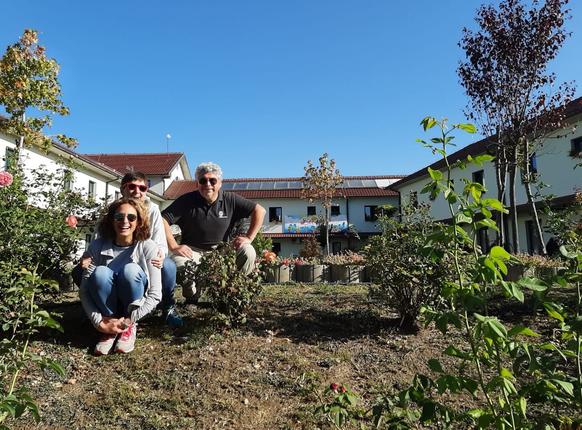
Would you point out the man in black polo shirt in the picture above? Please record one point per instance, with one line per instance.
(206, 217)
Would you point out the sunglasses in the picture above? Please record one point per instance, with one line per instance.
(133, 187)
(204, 181)
(120, 216)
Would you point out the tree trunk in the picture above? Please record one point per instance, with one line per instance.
(513, 208)
(326, 230)
(527, 178)
(501, 180)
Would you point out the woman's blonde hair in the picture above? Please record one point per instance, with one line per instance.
(142, 230)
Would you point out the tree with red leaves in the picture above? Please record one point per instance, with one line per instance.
(513, 96)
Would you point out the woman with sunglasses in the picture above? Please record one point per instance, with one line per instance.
(121, 285)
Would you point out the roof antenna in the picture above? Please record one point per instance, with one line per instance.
(168, 137)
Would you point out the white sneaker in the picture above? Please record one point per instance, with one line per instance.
(126, 342)
(105, 344)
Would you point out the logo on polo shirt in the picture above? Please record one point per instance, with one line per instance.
(221, 214)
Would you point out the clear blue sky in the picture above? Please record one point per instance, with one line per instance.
(260, 86)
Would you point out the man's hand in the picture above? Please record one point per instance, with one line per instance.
(240, 241)
(159, 260)
(85, 262)
(182, 250)
(111, 325)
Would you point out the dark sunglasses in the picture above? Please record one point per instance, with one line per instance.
(204, 181)
(120, 216)
(132, 187)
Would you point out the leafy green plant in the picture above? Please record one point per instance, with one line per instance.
(497, 364)
(339, 405)
(262, 243)
(231, 292)
(20, 318)
(405, 279)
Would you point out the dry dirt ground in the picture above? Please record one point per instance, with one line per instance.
(269, 374)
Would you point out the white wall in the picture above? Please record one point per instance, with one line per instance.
(356, 211)
(555, 169)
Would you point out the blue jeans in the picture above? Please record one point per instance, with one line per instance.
(114, 292)
(168, 283)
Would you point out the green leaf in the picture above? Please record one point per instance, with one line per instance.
(566, 386)
(436, 175)
(521, 330)
(435, 365)
(428, 123)
(533, 284)
(506, 374)
(498, 253)
(515, 291)
(523, 406)
(469, 128)
(461, 218)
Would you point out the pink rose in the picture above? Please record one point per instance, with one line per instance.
(334, 387)
(5, 179)
(72, 221)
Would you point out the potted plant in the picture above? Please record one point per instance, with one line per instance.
(309, 270)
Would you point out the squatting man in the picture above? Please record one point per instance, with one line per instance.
(207, 216)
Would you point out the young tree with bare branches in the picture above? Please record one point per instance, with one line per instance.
(321, 183)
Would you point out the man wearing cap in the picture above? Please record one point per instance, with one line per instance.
(207, 217)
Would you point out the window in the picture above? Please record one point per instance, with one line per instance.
(276, 247)
(149, 183)
(370, 213)
(413, 199)
(576, 150)
(533, 243)
(117, 195)
(483, 239)
(91, 190)
(335, 210)
(67, 180)
(533, 170)
(276, 214)
(310, 210)
(336, 247)
(9, 158)
(478, 177)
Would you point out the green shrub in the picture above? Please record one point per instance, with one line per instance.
(230, 291)
(404, 278)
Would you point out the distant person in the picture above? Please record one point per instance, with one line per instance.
(121, 285)
(207, 217)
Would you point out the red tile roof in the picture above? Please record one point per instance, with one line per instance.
(150, 164)
(177, 188)
(572, 109)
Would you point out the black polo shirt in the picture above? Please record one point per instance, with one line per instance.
(204, 225)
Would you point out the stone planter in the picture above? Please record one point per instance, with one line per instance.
(310, 273)
(345, 274)
(277, 274)
(518, 271)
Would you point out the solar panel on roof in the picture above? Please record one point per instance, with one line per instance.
(267, 185)
(227, 185)
(295, 185)
(369, 183)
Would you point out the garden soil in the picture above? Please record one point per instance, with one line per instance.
(269, 374)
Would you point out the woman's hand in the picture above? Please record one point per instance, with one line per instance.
(112, 325)
(159, 260)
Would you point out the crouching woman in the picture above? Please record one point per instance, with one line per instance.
(121, 285)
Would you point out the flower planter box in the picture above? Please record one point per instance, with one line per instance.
(277, 274)
(310, 273)
(345, 274)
